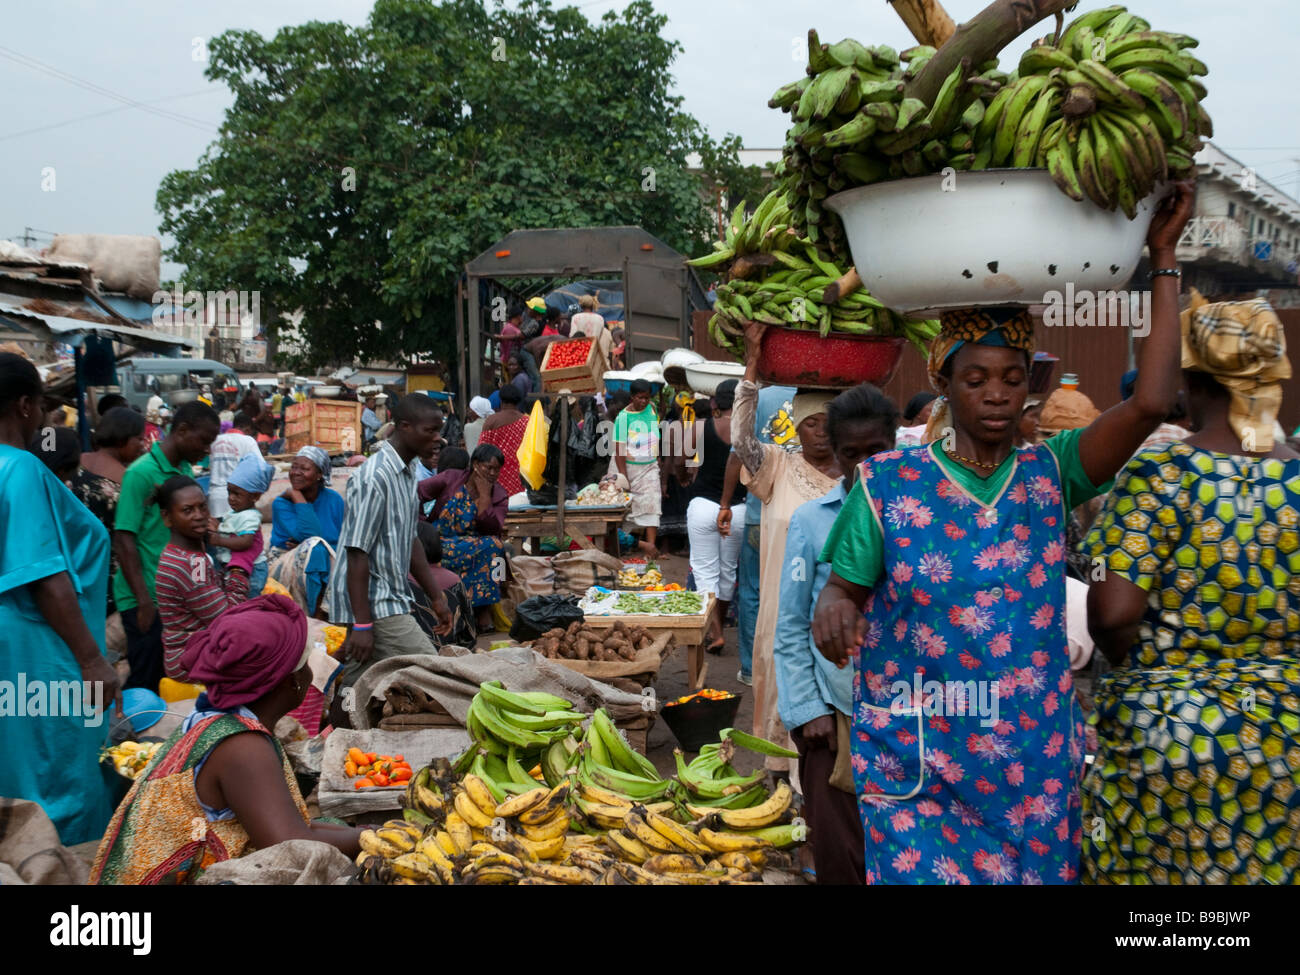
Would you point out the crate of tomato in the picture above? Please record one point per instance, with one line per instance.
(572, 364)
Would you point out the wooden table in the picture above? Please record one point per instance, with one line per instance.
(690, 632)
(580, 520)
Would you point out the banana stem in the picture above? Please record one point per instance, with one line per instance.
(980, 39)
(842, 286)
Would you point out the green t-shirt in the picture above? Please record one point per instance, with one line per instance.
(640, 431)
(137, 513)
(855, 547)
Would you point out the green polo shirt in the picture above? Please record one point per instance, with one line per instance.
(138, 513)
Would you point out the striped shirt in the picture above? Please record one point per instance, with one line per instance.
(191, 594)
(379, 516)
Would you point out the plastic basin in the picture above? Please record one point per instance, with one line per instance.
(998, 236)
(706, 377)
(798, 357)
(698, 721)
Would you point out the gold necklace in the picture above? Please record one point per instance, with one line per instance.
(978, 463)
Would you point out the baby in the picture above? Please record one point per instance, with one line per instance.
(237, 537)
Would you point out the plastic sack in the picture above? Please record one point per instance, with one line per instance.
(535, 616)
(532, 450)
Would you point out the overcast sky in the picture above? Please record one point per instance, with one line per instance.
(108, 158)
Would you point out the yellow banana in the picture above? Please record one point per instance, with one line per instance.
(471, 812)
(674, 863)
(764, 814)
(549, 830)
(606, 817)
(552, 802)
(371, 844)
(427, 801)
(400, 839)
(493, 874)
(648, 835)
(446, 843)
(559, 873)
(543, 849)
(597, 861)
(627, 847)
(731, 842)
(416, 866)
(480, 795)
(742, 861)
(675, 833)
(459, 831)
(594, 793)
(521, 804)
(494, 858)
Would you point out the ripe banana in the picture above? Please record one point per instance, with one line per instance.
(471, 813)
(479, 793)
(724, 842)
(521, 803)
(766, 814)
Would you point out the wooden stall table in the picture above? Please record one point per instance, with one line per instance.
(689, 631)
(580, 520)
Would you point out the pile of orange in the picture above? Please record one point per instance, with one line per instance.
(707, 693)
(670, 587)
(376, 770)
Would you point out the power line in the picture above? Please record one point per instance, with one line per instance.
(109, 111)
(33, 64)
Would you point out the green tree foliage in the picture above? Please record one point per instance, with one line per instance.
(359, 168)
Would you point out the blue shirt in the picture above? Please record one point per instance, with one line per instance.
(298, 522)
(772, 401)
(807, 684)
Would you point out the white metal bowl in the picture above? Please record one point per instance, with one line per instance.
(997, 236)
(325, 392)
(706, 377)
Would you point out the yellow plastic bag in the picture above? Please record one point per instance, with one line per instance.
(532, 450)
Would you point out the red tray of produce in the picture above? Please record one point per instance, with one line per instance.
(801, 357)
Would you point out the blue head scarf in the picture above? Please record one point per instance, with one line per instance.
(252, 474)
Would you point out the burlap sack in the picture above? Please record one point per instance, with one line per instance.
(291, 863)
(30, 851)
(533, 575)
(1066, 409)
(125, 263)
(576, 572)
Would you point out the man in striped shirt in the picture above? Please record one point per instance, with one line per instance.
(378, 546)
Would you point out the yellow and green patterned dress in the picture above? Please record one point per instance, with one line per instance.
(1198, 759)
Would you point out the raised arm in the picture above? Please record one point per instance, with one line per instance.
(1110, 440)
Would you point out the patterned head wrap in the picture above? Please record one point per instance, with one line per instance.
(317, 457)
(1242, 345)
(1011, 328)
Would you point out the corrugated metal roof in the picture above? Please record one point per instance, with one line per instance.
(67, 329)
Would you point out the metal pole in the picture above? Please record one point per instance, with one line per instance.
(564, 456)
(460, 346)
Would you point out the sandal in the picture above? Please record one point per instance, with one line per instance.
(716, 648)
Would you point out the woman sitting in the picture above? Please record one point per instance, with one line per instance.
(1198, 728)
(305, 524)
(469, 508)
(191, 592)
(221, 785)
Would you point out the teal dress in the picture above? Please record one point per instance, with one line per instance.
(50, 745)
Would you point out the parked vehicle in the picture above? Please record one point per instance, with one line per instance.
(141, 377)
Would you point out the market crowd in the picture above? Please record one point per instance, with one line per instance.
(942, 609)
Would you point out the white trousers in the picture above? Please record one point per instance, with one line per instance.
(713, 557)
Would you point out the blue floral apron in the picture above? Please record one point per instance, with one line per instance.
(469, 555)
(965, 746)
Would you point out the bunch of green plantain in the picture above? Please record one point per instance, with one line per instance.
(1111, 108)
(786, 281)
(855, 124)
(510, 733)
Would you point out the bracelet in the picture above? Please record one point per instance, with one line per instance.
(1171, 272)
(362, 627)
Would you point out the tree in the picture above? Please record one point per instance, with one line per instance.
(359, 168)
